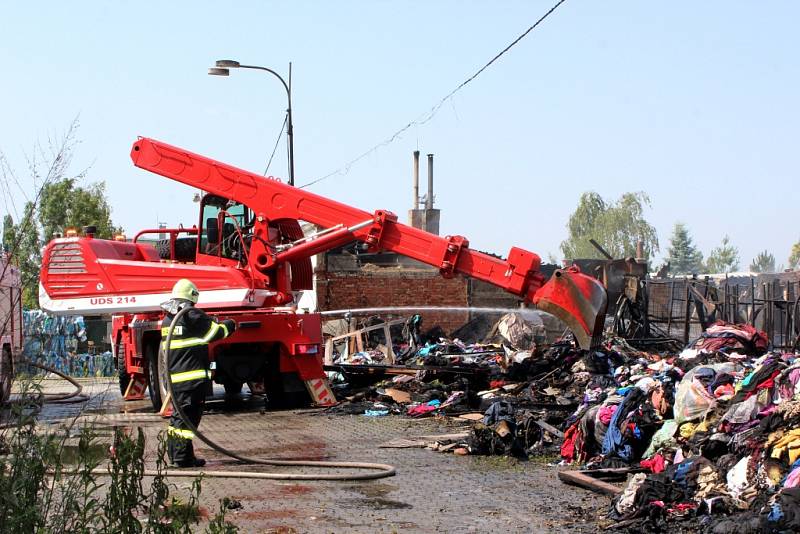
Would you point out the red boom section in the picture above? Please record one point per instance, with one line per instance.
(274, 200)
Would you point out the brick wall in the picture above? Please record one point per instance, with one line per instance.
(372, 287)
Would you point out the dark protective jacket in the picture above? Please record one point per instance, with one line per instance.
(188, 360)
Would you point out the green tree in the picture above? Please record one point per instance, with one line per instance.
(616, 226)
(794, 256)
(60, 202)
(8, 229)
(763, 263)
(724, 258)
(683, 256)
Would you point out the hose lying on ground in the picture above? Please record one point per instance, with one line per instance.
(379, 470)
(55, 398)
(74, 396)
(66, 398)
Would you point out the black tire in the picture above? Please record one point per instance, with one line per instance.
(153, 377)
(122, 373)
(279, 398)
(185, 249)
(233, 389)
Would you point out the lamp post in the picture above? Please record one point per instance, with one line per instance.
(223, 67)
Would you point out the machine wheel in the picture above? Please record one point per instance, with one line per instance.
(285, 390)
(6, 374)
(122, 373)
(233, 389)
(185, 249)
(154, 383)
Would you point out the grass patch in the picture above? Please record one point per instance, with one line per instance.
(66, 479)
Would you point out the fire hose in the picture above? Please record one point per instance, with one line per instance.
(56, 398)
(378, 470)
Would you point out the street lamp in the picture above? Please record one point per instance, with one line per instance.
(223, 67)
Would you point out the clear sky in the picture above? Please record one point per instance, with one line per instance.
(695, 103)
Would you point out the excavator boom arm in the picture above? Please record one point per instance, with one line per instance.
(576, 298)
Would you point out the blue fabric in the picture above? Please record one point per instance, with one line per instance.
(425, 350)
(775, 514)
(681, 473)
(613, 442)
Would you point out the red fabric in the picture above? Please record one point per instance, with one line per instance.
(654, 464)
(496, 384)
(682, 508)
(764, 384)
(723, 390)
(769, 382)
(571, 436)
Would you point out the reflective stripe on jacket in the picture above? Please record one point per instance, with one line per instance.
(180, 432)
(188, 358)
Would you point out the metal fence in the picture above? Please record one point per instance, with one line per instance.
(681, 308)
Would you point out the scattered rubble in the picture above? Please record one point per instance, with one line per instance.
(708, 437)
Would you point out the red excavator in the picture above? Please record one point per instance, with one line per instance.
(249, 257)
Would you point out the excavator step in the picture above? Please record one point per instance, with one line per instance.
(136, 387)
(320, 392)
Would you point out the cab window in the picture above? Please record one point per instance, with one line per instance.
(235, 215)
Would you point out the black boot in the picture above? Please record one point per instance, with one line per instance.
(191, 462)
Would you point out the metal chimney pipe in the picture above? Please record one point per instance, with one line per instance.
(429, 198)
(415, 205)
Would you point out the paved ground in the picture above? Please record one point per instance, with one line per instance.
(432, 492)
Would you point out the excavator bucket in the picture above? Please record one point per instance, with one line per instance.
(578, 300)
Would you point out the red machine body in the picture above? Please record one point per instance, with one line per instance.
(248, 256)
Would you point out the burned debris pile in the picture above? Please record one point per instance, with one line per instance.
(709, 436)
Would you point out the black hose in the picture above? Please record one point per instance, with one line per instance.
(60, 398)
(381, 470)
(65, 398)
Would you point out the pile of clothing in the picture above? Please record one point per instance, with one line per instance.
(734, 340)
(714, 431)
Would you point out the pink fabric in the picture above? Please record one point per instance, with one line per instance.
(793, 479)
(605, 413)
(420, 409)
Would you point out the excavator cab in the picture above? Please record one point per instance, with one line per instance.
(225, 228)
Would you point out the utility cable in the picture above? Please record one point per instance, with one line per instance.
(278, 140)
(379, 470)
(425, 117)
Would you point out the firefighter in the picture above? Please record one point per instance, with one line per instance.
(188, 366)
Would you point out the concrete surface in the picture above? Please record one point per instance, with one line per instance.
(432, 492)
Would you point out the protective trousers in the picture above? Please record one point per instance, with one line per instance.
(179, 436)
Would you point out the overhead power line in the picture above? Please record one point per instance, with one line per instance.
(280, 134)
(427, 116)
